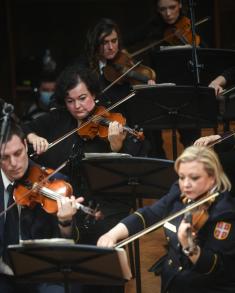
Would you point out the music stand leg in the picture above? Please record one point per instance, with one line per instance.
(131, 257)
(174, 144)
(137, 266)
(67, 288)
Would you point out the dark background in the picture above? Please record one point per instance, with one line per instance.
(29, 27)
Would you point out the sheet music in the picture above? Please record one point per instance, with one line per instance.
(166, 48)
(148, 86)
(46, 242)
(106, 155)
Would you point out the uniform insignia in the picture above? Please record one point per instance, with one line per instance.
(222, 230)
(170, 227)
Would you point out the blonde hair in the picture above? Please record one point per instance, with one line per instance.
(211, 164)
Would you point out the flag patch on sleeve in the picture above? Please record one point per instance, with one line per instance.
(222, 230)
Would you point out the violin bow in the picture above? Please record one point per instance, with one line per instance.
(92, 119)
(120, 77)
(162, 222)
(219, 140)
(153, 44)
(227, 91)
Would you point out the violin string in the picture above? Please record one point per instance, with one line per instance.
(51, 194)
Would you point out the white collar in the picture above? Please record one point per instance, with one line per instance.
(5, 180)
(102, 64)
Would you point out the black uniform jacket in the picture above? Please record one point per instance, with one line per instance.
(213, 271)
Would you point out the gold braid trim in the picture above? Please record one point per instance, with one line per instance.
(78, 235)
(141, 217)
(213, 265)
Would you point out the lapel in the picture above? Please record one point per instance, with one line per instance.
(2, 218)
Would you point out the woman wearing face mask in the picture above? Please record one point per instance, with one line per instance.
(42, 97)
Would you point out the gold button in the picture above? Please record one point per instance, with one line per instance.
(168, 238)
(180, 268)
(170, 262)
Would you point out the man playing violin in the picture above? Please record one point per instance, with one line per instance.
(206, 267)
(24, 222)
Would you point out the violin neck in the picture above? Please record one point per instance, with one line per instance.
(105, 122)
(51, 194)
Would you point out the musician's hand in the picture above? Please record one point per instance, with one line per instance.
(206, 140)
(116, 136)
(110, 238)
(182, 233)
(151, 82)
(218, 89)
(106, 241)
(67, 207)
(183, 237)
(40, 144)
(218, 84)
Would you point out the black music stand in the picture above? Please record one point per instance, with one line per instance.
(113, 174)
(140, 177)
(86, 264)
(174, 107)
(173, 64)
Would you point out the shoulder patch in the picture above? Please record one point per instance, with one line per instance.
(222, 230)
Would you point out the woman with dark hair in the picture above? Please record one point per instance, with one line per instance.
(104, 47)
(76, 91)
(75, 95)
(166, 21)
(97, 37)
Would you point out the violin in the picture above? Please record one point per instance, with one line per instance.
(98, 125)
(197, 218)
(96, 117)
(180, 33)
(171, 34)
(120, 65)
(36, 189)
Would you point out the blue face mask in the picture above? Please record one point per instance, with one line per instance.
(45, 98)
